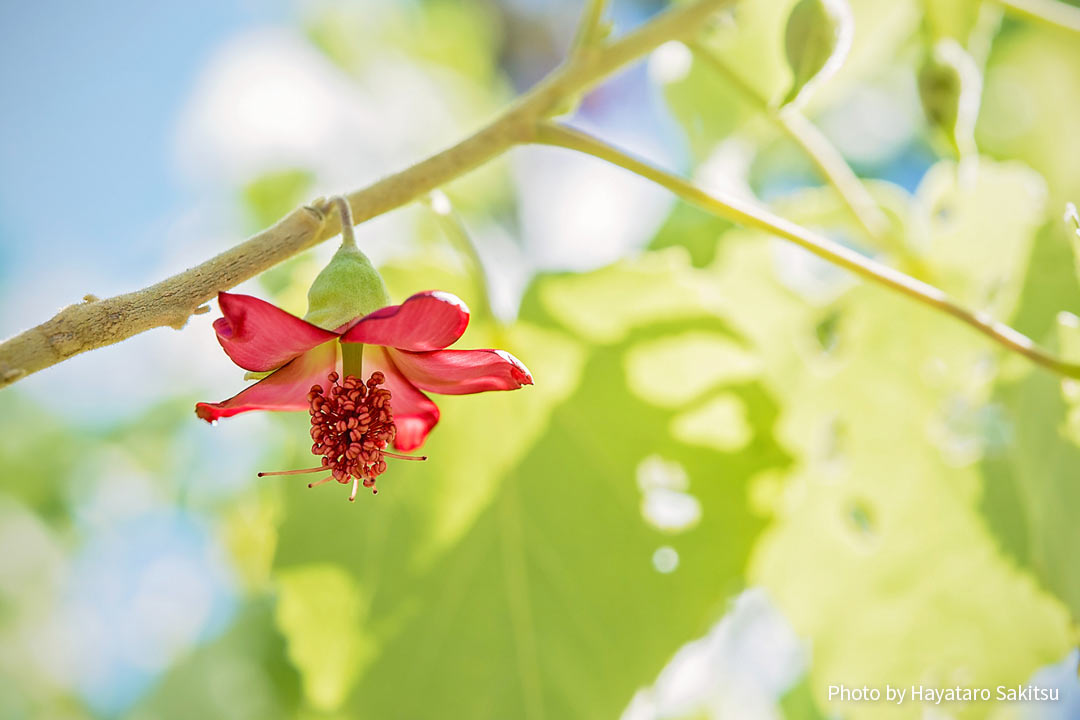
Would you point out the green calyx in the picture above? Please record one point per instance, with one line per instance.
(348, 287)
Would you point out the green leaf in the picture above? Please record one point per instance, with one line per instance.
(877, 540)
(273, 195)
(981, 233)
(707, 107)
(951, 18)
(692, 228)
(243, 675)
(1031, 491)
(320, 611)
(798, 703)
(541, 573)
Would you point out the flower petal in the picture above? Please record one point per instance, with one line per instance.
(414, 412)
(426, 321)
(462, 372)
(259, 336)
(285, 389)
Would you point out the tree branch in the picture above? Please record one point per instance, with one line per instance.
(97, 323)
(754, 217)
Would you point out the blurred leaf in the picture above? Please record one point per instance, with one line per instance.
(37, 453)
(1032, 491)
(249, 531)
(320, 612)
(798, 703)
(605, 305)
(1051, 286)
(462, 37)
(1030, 107)
(877, 542)
(707, 106)
(243, 675)
(273, 195)
(951, 18)
(981, 236)
(692, 228)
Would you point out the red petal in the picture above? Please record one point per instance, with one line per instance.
(414, 412)
(462, 372)
(285, 389)
(426, 321)
(259, 336)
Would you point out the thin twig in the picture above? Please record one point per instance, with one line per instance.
(589, 27)
(98, 323)
(454, 229)
(754, 217)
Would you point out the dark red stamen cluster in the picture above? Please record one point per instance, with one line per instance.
(352, 424)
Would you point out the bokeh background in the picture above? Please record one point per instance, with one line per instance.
(741, 476)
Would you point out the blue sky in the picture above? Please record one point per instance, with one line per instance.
(92, 91)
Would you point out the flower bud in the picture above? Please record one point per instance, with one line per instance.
(816, 41)
(950, 87)
(348, 287)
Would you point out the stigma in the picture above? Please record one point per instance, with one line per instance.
(352, 424)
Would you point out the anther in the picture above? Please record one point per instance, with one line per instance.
(352, 424)
(293, 472)
(403, 457)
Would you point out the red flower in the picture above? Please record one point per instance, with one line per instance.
(404, 349)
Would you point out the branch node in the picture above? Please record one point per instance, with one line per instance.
(10, 376)
(318, 208)
(180, 323)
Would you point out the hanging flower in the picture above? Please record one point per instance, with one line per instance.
(353, 422)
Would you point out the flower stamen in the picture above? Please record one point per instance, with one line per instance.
(352, 424)
(293, 472)
(404, 457)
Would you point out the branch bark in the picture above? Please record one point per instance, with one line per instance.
(97, 323)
